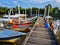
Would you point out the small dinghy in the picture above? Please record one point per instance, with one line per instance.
(10, 34)
(22, 28)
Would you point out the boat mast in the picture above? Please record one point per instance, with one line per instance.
(8, 15)
(19, 13)
(18, 6)
(38, 12)
(23, 12)
(12, 10)
(48, 10)
(18, 9)
(31, 11)
(45, 13)
(25, 15)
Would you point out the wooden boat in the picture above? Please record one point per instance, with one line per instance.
(24, 26)
(10, 34)
(11, 37)
(20, 28)
(27, 22)
(17, 18)
(57, 30)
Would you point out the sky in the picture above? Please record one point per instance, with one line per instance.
(29, 3)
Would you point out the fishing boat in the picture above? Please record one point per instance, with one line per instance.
(15, 22)
(18, 18)
(22, 27)
(9, 34)
(57, 30)
(11, 37)
(18, 28)
(29, 21)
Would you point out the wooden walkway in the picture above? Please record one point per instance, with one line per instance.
(40, 35)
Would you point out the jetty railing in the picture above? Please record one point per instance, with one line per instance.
(28, 35)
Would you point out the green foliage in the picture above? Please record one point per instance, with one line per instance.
(55, 12)
(3, 10)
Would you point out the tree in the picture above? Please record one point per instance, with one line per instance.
(3, 10)
(55, 10)
(51, 9)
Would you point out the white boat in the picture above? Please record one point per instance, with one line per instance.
(57, 30)
(56, 26)
(17, 16)
(3, 19)
(11, 16)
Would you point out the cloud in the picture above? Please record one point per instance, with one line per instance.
(29, 3)
(58, 1)
(42, 1)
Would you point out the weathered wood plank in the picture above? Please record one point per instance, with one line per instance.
(32, 44)
(40, 36)
(40, 41)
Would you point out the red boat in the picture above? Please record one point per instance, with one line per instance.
(26, 24)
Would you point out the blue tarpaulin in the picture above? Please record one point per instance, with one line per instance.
(46, 25)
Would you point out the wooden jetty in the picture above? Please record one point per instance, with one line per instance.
(40, 35)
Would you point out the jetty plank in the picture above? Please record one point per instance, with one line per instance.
(40, 35)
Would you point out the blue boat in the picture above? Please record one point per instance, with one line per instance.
(10, 34)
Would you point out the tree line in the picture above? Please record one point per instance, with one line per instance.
(55, 12)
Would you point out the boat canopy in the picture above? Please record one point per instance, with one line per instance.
(58, 22)
(2, 19)
(48, 17)
(12, 16)
(20, 15)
